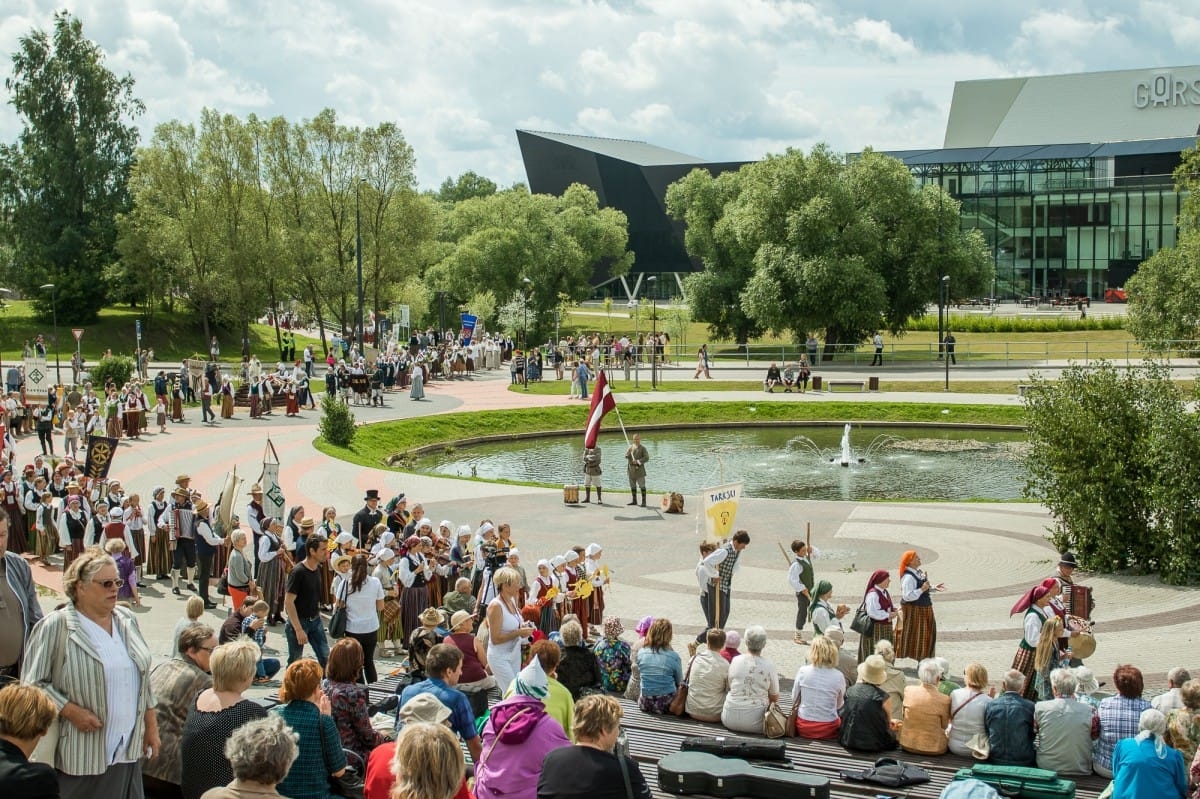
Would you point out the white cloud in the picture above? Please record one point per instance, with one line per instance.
(723, 79)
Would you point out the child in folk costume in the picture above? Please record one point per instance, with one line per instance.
(45, 526)
(599, 577)
(160, 415)
(577, 594)
(293, 403)
(135, 524)
(542, 597)
(176, 401)
(390, 636)
(558, 570)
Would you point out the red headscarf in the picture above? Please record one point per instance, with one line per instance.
(1029, 597)
(877, 577)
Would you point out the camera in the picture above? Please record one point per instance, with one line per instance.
(494, 557)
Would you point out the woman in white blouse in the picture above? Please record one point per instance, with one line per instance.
(753, 686)
(966, 708)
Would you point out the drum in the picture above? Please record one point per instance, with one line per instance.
(571, 495)
(1083, 646)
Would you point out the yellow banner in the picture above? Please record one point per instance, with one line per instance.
(720, 510)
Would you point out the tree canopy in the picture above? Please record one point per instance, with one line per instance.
(798, 243)
(64, 182)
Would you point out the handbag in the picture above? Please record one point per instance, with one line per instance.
(391, 610)
(862, 623)
(979, 745)
(891, 772)
(337, 622)
(223, 583)
(678, 706)
(349, 785)
(774, 721)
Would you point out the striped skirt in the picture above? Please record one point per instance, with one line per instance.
(389, 630)
(1023, 662)
(880, 631)
(158, 560)
(271, 584)
(918, 637)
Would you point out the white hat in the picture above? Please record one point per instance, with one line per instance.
(485, 528)
(387, 538)
(570, 556)
(463, 529)
(344, 538)
(543, 562)
(593, 549)
(425, 522)
(386, 555)
(449, 525)
(557, 561)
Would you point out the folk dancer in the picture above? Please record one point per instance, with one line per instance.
(390, 638)
(877, 602)
(917, 638)
(1035, 605)
(800, 578)
(182, 531)
(725, 568)
(159, 560)
(414, 573)
(600, 580)
(367, 517)
(707, 578)
(274, 561)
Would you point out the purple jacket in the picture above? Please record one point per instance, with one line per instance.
(516, 739)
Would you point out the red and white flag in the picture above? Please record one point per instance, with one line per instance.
(602, 403)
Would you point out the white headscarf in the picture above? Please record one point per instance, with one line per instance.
(1153, 724)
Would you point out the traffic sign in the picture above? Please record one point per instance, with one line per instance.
(78, 332)
(138, 323)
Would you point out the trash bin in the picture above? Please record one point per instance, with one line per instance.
(816, 382)
(872, 383)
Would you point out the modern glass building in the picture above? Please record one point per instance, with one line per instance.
(1068, 177)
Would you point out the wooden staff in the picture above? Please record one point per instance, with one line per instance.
(786, 558)
(808, 535)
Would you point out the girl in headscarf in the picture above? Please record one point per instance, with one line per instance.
(824, 615)
(542, 585)
(878, 604)
(616, 662)
(917, 638)
(1034, 603)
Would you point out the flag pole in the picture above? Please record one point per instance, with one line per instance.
(621, 422)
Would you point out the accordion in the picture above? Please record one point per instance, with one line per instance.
(1078, 601)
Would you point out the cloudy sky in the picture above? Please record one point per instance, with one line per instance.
(719, 79)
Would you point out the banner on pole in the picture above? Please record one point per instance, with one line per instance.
(468, 328)
(273, 500)
(602, 402)
(720, 509)
(38, 379)
(100, 452)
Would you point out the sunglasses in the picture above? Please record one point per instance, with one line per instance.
(109, 585)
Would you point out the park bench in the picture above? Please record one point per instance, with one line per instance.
(857, 385)
(1024, 388)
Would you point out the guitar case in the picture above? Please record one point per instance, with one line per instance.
(745, 748)
(704, 773)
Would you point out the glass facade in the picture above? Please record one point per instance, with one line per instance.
(1070, 226)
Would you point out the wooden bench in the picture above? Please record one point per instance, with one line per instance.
(857, 385)
(1025, 388)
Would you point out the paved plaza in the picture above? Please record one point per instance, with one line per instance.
(987, 554)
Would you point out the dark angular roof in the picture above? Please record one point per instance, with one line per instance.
(634, 152)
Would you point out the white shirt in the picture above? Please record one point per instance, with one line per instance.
(910, 589)
(820, 691)
(1033, 625)
(1165, 703)
(361, 616)
(122, 687)
(707, 568)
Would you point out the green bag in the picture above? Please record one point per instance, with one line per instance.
(1020, 781)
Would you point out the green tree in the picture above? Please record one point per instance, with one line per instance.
(1115, 456)
(467, 186)
(800, 243)
(1164, 294)
(67, 174)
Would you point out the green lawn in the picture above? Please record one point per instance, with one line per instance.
(374, 443)
(171, 336)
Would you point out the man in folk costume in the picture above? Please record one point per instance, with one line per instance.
(1065, 575)
(366, 518)
(206, 397)
(917, 638)
(801, 580)
(725, 559)
(256, 515)
(207, 546)
(183, 534)
(1035, 604)
(591, 474)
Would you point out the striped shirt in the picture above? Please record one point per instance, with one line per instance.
(62, 659)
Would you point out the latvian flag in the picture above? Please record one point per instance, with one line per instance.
(602, 403)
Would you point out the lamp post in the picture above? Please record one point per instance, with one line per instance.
(652, 283)
(54, 311)
(946, 293)
(525, 284)
(358, 258)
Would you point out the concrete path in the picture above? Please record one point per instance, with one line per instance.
(986, 553)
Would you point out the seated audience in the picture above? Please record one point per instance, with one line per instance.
(591, 769)
(474, 670)
(1008, 721)
(348, 698)
(753, 685)
(1145, 767)
(708, 679)
(428, 764)
(772, 379)
(1171, 699)
(847, 663)
(633, 689)
(444, 665)
(423, 639)
(1183, 724)
(659, 669)
(260, 754)
(945, 684)
(379, 777)
(518, 735)
(895, 682)
(614, 656)
(306, 711)
(926, 713)
(461, 598)
(554, 695)
(175, 684)
(1119, 716)
(578, 668)
(26, 713)
(819, 691)
(733, 643)
(215, 714)
(1087, 686)
(867, 725)
(1065, 728)
(966, 708)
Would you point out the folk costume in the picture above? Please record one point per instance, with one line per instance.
(158, 561)
(599, 578)
(12, 503)
(272, 575)
(390, 638)
(878, 604)
(365, 520)
(414, 572)
(800, 578)
(1035, 605)
(917, 638)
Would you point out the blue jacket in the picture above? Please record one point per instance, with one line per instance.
(1008, 720)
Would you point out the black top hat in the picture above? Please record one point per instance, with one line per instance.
(372, 493)
(1068, 559)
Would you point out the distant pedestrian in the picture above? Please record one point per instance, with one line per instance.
(582, 376)
(877, 340)
(949, 341)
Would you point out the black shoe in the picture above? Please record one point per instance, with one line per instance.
(210, 605)
(175, 591)
(633, 503)
(385, 705)
(191, 586)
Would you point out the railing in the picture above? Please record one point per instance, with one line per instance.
(729, 355)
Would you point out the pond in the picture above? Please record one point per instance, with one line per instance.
(801, 462)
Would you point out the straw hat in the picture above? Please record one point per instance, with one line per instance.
(340, 561)
(459, 618)
(873, 670)
(424, 707)
(431, 616)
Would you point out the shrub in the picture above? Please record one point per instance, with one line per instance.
(975, 323)
(337, 423)
(115, 368)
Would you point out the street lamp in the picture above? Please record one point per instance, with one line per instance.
(651, 284)
(54, 310)
(358, 257)
(636, 305)
(526, 284)
(946, 291)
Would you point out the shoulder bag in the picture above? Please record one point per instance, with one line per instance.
(774, 721)
(678, 706)
(862, 623)
(337, 622)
